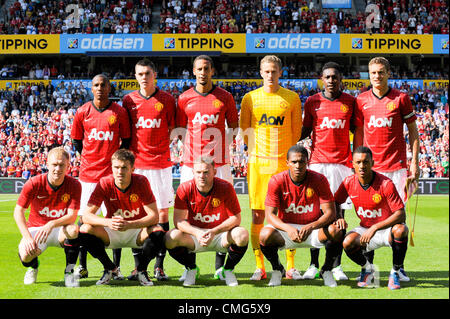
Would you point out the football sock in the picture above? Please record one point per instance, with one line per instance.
(235, 254)
(96, 248)
(399, 247)
(339, 249)
(117, 254)
(290, 254)
(314, 252)
(82, 256)
(331, 252)
(137, 252)
(159, 263)
(357, 256)
(152, 245)
(220, 259)
(183, 256)
(369, 255)
(71, 249)
(255, 229)
(33, 264)
(271, 253)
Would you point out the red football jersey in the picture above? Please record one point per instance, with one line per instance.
(46, 202)
(204, 115)
(101, 132)
(211, 210)
(298, 204)
(383, 119)
(373, 205)
(330, 122)
(129, 203)
(150, 121)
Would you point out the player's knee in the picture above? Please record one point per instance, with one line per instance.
(86, 229)
(335, 234)
(71, 231)
(265, 236)
(400, 231)
(350, 241)
(240, 236)
(172, 237)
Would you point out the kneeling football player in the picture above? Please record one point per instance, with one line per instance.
(55, 200)
(131, 219)
(206, 216)
(300, 213)
(381, 211)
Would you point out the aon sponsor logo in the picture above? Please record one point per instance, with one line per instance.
(271, 120)
(299, 209)
(207, 218)
(54, 213)
(100, 135)
(380, 122)
(148, 123)
(367, 213)
(126, 213)
(205, 119)
(332, 123)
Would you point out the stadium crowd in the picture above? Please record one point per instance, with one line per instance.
(224, 16)
(35, 118)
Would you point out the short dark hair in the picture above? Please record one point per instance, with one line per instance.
(296, 148)
(204, 57)
(363, 150)
(331, 65)
(123, 155)
(146, 62)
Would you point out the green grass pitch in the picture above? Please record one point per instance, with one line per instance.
(427, 263)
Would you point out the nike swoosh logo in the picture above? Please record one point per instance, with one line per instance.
(87, 119)
(317, 109)
(286, 193)
(40, 197)
(111, 199)
(367, 107)
(192, 203)
(354, 196)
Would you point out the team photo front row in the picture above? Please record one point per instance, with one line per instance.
(300, 212)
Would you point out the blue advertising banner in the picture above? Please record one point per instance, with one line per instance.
(440, 43)
(293, 43)
(82, 43)
(332, 4)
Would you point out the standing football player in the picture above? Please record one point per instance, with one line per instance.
(381, 211)
(152, 117)
(206, 111)
(131, 218)
(382, 112)
(54, 199)
(300, 213)
(207, 217)
(328, 116)
(100, 127)
(270, 121)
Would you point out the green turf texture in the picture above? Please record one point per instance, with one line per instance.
(427, 263)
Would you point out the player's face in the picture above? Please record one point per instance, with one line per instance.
(100, 88)
(145, 76)
(297, 164)
(362, 163)
(271, 73)
(331, 81)
(378, 76)
(203, 175)
(57, 166)
(122, 171)
(203, 72)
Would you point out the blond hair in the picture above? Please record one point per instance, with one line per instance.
(206, 159)
(58, 151)
(271, 59)
(382, 61)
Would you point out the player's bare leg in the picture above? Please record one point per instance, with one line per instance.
(255, 229)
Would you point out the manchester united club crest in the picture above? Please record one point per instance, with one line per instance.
(284, 105)
(344, 108)
(376, 198)
(217, 104)
(159, 106)
(134, 198)
(391, 106)
(65, 198)
(215, 202)
(112, 120)
(309, 192)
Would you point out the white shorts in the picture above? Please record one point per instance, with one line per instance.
(161, 184)
(311, 242)
(223, 172)
(398, 177)
(380, 239)
(52, 239)
(335, 174)
(122, 239)
(86, 191)
(214, 245)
